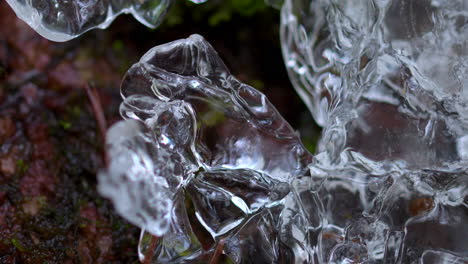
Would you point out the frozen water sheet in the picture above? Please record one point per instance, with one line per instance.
(201, 160)
(59, 20)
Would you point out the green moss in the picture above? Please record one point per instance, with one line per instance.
(21, 166)
(247, 7)
(65, 125)
(18, 245)
(215, 12)
(220, 16)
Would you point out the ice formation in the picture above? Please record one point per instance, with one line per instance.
(207, 164)
(388, 82)
(62, 20)
(201, 157)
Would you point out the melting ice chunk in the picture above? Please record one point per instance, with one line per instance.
(64, 20)
(218, 152)
(232, 125)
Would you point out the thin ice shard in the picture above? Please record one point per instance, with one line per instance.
(64, 20)
(218, 150)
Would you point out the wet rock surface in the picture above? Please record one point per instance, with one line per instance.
(50, 151)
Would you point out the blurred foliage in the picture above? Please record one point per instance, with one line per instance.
(214, 11)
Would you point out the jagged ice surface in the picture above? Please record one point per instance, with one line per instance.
(62, 20)
(387, 81)
(218, 151)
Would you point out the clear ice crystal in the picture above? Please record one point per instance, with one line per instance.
(385, 79)
(62, 20)
(217, 150)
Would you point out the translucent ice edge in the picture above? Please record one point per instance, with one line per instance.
(36, 19)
